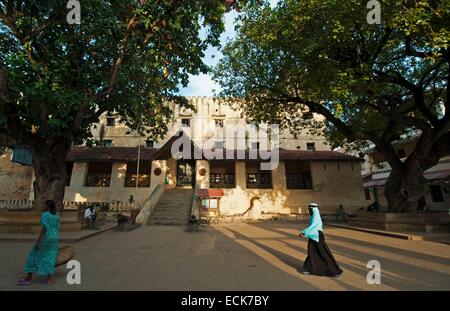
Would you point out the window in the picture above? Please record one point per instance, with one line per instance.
(149, 144)
(69, 169)
(218, 122)
(110, 121)
(144, 174)
(185, 122)
(99, 174)
(222, 174)
(401, 153)
(256, 178)
(311, 146)
(367, 194)
(210, 203)
(259, 180)
(436, 193)
(298, 174)
(107, 142)
(221, 180)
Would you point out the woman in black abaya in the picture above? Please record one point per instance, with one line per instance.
(320, 260)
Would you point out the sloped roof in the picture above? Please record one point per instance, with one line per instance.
(285, 155)
(83, 153)
(87, 154)
(316, 155)
(433, 175)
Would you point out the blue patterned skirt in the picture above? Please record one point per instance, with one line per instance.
(43, 260)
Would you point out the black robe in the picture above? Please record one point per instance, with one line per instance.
(320, 260)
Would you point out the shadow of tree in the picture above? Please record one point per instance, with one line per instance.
(293, 262)
(402, 281)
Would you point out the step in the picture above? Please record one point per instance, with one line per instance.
(176, 209)
(169, 218)
(173, 208)
(173, 211)
(173, 204)
(166, 223)
(179, 215)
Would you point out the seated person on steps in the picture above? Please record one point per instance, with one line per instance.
(91, 217)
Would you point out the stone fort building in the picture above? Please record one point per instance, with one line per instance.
(307, 171)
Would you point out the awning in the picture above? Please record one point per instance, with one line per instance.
(437, 174)
(441, 174)
(207, 193)
(375, 182)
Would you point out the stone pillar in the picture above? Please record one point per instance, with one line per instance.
(279, 177)
(241, 181)
(255, 212)
(77, 182)
(115, 192)
(118, 172)
(79, 173)
(171, 172)
(158, 179)
(201, 182)
(31, 195)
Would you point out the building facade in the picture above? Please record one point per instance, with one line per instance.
(306, 171)
(375, 171)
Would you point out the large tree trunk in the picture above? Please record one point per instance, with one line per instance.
(49, 166)
(405, 186)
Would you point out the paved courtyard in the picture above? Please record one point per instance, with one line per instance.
(256, 256)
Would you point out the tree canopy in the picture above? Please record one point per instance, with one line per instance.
(371, 82)
(123, 56)
(129, 57)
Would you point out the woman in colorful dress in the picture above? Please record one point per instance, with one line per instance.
(42, 257)
(320, 260)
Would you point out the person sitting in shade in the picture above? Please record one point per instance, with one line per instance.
(91, 217)
(320, 260)
(342, 215)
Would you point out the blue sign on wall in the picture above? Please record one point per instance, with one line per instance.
(22, 155)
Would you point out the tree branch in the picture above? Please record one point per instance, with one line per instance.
(409, 51)
(396, 78)
(22, 38)
(383, 42)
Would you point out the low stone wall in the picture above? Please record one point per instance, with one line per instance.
(16, 204)
(28, 221)
(402, 222)
(69, 205)
(294, 217)
(149, 205)
(17, 216)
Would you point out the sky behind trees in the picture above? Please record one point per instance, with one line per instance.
(203, 85)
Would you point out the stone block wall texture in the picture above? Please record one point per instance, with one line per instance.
(15, 179)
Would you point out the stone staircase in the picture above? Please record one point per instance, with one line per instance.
(173, 208)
